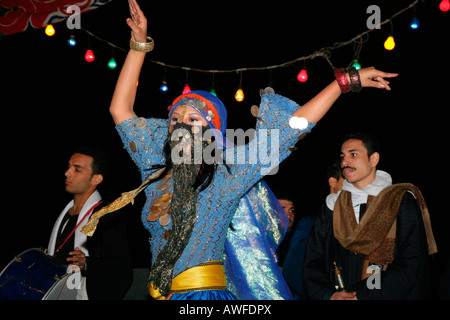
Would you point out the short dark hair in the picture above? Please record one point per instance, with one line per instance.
(369, 141)
(334, 170)
(99, 164)
(284, 195)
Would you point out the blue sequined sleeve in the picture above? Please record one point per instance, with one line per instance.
(144, 139)
(273, 143)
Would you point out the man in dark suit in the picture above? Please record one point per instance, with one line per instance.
(104, 259)
(379, 234)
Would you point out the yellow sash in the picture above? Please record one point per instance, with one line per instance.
(206, 276)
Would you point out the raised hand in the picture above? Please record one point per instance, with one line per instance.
(371, 77)
(137, 22)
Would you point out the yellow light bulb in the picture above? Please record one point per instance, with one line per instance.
(49, 30)
(239, 96)
(389, 44)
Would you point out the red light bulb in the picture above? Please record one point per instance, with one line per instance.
(186, 89)
(302, 76)
(444, 5)
(89, 56)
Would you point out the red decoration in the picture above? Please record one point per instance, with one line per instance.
(17, 16)
(302, 76)
(89, 56)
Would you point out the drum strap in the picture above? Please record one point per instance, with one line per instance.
(76, 227)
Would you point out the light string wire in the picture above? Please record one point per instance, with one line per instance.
(323, 52)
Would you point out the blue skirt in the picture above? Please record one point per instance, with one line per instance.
(204, 295)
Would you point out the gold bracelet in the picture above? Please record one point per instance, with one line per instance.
(143, 47)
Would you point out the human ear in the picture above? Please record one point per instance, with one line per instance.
(332, 182)
(96, 179)
(374, 159)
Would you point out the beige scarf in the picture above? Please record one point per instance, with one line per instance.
(374, 236)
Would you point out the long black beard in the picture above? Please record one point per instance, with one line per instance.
(183, 215)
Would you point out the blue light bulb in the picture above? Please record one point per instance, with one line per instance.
(414, 23)
(164, 87)
(72, 41)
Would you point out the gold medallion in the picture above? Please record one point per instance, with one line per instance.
(141, 123)
(156, 201)
(163, 183)
(164, 205)
(302, 136)
(166, 197)
(133, 146)
(164, 220)
(166, 188)
(154, 210)
(164, 211)
(254, 110)
(152, 217)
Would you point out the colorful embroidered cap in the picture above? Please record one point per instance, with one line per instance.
(210, 108)
(208, 105)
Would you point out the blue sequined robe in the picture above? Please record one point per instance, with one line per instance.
(217, 204)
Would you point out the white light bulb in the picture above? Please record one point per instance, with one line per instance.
(298, 123)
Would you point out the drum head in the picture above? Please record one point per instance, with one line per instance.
(64, 289)
(30, 275)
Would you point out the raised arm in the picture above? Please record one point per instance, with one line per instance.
(122, 102)
(318, 106)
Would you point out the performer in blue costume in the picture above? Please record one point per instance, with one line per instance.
(202, 194)
(203, 235)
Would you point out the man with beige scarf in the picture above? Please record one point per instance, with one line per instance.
(376, 234)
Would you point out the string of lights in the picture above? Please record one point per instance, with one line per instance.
(325, 52)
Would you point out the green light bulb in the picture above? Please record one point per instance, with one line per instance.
(356, 64)
(112, 63)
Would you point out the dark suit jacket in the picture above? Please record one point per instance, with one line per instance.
(109, 267)
(407, 277)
